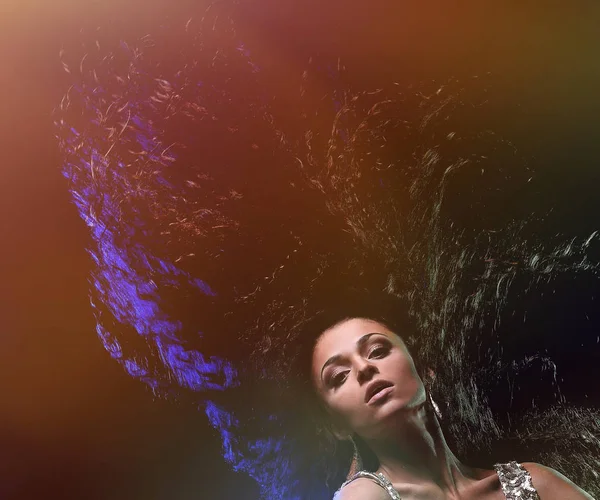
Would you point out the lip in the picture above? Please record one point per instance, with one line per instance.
(376, 390)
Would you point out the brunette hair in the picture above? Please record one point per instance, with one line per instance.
(343, 305)
(174, 165)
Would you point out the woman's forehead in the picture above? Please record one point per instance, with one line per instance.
(345, 334)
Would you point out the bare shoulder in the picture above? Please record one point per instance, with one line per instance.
(362, 489)
(551, 484)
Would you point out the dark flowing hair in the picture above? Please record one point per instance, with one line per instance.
(342, 305)
(317, 459)
(227, 214)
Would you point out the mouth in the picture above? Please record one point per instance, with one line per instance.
(376, 390)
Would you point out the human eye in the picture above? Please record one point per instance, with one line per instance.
(379, 351)
(337, 378)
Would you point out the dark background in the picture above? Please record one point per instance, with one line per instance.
(72, 422)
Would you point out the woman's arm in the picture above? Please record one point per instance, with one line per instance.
(552, 485)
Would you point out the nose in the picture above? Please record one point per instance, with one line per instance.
(365, 370)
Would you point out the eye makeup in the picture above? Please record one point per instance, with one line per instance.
(376, 345)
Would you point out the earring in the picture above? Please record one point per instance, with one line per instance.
(436, 408)
(356, 464)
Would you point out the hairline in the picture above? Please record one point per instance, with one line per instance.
(349, 318)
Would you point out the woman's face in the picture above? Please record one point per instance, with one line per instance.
(364, 374)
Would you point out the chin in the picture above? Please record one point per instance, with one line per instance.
(397, 406)
(390, 409)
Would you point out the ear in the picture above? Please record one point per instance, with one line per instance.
(428, 378)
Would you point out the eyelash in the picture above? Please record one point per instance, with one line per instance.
(379, 348)
(336, 380)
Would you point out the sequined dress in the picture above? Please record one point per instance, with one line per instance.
(514, 479)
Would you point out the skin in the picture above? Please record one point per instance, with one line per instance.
(402, 428)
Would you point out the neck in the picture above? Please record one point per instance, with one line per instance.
(414, 453)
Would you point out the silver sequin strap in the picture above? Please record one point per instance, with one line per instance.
(516, 482)
(379, 478)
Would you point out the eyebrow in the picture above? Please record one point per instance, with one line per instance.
(359, 344)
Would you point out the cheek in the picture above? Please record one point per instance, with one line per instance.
(344, 400)
(400, 370)
(346, 403)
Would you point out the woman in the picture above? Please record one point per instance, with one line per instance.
(369, 386)
(195, 236)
